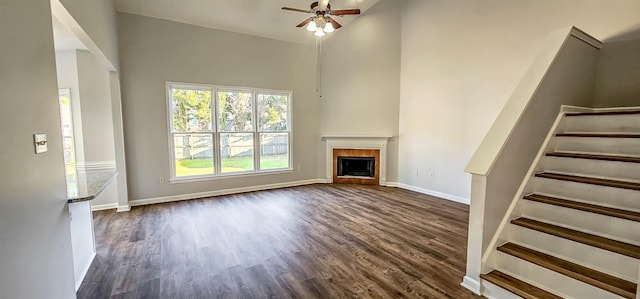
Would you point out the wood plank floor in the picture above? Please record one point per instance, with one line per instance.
(316, 241)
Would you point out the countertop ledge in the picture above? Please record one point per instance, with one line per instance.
(87, 185)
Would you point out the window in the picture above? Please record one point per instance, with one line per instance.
(66, 122)
(217, 131)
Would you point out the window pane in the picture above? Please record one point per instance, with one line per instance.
(235, 111)
(191, 110)
(66, 120)
(194, 154)
(236, 152)
(274, 150)
(272, 112)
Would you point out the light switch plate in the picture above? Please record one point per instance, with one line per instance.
(40, 141)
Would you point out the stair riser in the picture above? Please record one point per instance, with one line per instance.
(602, 123)
(493, 291)
(601, 225)
(617, 146)
(598, 259)
(623, 171)
(555, 282)
(605, 196)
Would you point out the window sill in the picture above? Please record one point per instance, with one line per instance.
(193, 179)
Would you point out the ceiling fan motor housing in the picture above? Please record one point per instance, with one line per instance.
(315, 4)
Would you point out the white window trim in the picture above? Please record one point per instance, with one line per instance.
(215, 132)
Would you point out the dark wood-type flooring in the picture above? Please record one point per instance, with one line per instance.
(316, 241)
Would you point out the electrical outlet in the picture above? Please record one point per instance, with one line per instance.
(432, 174)
(161, 180)
(298, 167)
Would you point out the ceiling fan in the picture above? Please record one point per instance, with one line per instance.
(322, 22)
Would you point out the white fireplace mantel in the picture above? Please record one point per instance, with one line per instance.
(356, 142)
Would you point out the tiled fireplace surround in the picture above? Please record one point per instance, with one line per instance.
(356, 146)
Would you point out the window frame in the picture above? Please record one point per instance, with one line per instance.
(216, 132)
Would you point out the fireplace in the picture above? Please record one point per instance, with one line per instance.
(356, 166)
(363, 149)
(361, 167)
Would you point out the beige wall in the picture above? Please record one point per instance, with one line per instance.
(619, 74)
(35, 241)
(460, 62)
(360, 71)
(154, 51)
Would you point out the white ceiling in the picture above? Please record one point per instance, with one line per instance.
(256, 17)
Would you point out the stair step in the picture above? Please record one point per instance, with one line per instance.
(587, 275)
(590, 180)
(607, 211)
(580, 237)
(595, 157)
(624, 112)
(599, 135)
(516, 286)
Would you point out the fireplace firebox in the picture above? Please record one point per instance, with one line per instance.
(362, 167)
(356, 166)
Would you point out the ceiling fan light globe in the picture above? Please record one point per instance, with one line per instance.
(329, 28)
(312, 26)
(319, 32)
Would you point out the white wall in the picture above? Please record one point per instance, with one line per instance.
(82, 239)
(95, 99)
(97, 18)
(563, 74)
(360, 71)
(93, 22)
(91, 96)
(154, 51)
(67, 73)
(619, 74)
(97, 125)
(460, 62)
(35, 240)
(118, 133)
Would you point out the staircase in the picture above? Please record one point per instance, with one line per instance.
(575, 232)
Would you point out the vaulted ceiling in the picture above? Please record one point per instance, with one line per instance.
(256, 17)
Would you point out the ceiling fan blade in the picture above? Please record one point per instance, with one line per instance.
(342, 12)
(322, 4)
(333, 22)
(297, 9)
(305, 22)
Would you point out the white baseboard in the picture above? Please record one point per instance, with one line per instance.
(84, 272)
(431, 192)
(108, 206)
(162, 199)
(392, 184)
(471, 285)
(125, 208)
